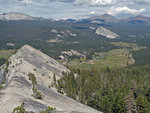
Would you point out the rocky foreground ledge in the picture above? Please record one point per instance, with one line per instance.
(28, 75)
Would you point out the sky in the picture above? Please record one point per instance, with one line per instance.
(76, 9)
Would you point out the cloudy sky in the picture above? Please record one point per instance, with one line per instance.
(77, 9)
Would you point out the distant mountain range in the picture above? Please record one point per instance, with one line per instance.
(102, 19)
(138, 19)
(18, 17)
(106, 18)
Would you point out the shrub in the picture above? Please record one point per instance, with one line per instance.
(32, 78)
(20, 109)
(1, 84)
(49, 110)
(37, 94)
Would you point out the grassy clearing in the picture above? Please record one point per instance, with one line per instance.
(116, 57)
(113, 58)
(131, 46)
(5, 54)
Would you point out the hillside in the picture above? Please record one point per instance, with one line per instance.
(28, 77)
(106, 33)
(17, 17)
(105, 18)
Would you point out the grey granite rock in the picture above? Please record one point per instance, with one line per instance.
(18, 87)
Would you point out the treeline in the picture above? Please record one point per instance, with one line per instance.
(2, 61)
(117, 90)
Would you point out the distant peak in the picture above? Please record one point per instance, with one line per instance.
(17, 16)
(26, 46)
(14, 13)
(107, 15)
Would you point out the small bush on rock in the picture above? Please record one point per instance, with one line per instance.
(20, 109)
(49, 110)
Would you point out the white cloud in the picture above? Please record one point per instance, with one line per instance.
(27, 1)
(92, 12)
(76, 8)
(102, 2)
(128, 10)
(117, 10)
(144, 1)
(81, 1)
(95, 2)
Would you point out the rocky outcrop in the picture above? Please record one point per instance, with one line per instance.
(73, 53)
(19, 88)
(63, 33)
(106, 33)
(67, 33)
(54, 31)
(54, 40)
(17, 17)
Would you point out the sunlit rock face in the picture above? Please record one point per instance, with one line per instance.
(16, 17)
(18, 88)
(106, 33)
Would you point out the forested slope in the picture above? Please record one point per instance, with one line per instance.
(117, 90)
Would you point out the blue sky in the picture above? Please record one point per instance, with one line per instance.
(76, 9)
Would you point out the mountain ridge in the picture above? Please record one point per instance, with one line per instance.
(18, 16)
(29, 62)
(100, 19)
(105, 18)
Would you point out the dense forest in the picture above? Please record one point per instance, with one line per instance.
(2, 61)
(111, 90)
(36, 34)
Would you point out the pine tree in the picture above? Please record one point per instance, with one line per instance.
(142, 104)
(130, 104)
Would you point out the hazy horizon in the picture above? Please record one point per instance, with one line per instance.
(76, 9)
